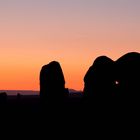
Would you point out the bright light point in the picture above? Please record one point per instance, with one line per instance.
(116, 82)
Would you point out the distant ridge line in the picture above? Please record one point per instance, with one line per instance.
(30, 92)
(22, 92)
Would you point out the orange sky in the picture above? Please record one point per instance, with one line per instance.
(33, 33)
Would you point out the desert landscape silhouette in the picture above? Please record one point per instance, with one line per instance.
(69, 67)
(105, 82)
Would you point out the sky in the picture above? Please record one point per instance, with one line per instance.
(73, 32)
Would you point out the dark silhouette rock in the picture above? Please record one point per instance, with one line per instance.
(3, 98)
(52, 82)
(99, 79)
(128, 74)
(18, 96)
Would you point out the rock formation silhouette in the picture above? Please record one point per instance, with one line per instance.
(120, 78)
(3, 97)
(52, 82)
(103, 79)
(99, 79)
(128, 74)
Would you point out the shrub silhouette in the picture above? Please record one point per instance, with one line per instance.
(3, 97)
(52, 82)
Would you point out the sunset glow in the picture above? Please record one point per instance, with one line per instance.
(73, 32)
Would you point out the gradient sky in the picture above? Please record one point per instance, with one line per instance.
(73, 32)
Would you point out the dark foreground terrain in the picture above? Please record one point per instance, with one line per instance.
(72, 116)
(27, 105)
